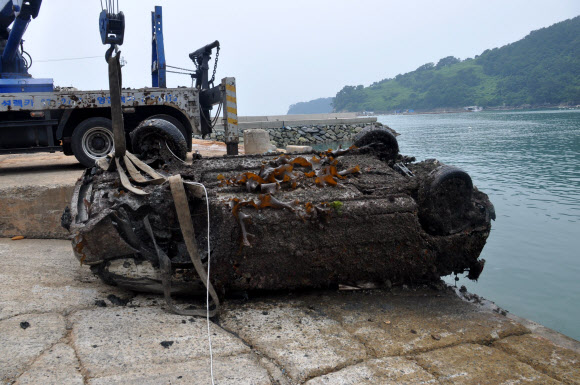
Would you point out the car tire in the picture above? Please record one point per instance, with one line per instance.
(384, 141)
(445, 200)
(173, 121)
(162, 129)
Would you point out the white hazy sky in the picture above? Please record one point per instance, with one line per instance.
(284, 52)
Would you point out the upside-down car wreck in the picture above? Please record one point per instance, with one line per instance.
(360, 215)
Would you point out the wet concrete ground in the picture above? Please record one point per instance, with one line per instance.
(61, 325)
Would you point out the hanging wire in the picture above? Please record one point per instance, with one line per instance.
(181, 73)
(207, 282)
(212, 122)
(217, 115)
(68, 59)
(179, 68)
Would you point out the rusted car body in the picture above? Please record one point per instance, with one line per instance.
(365, 215)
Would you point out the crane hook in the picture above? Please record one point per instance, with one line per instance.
(109, 52)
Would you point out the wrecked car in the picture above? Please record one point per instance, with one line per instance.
(366, 214)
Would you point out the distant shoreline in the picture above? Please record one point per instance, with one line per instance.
(459, 111)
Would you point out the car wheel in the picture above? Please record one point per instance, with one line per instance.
(380, 140)
(445, 200)
(149, 138)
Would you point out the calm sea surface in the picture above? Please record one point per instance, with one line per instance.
(528, 162)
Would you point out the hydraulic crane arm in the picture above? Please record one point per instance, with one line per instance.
(20, 12)
(201, 59)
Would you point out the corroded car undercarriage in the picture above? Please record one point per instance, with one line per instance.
(355, 216)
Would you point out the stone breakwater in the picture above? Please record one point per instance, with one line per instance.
(309, 134)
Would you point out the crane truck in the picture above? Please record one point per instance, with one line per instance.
(36, 116)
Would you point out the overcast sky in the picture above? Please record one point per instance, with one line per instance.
(283, 52)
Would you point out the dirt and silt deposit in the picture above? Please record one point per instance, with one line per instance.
(360, 215)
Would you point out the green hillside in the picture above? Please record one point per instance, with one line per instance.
(316, 106)
(541, 69)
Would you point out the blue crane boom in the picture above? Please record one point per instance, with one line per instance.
(14, 76)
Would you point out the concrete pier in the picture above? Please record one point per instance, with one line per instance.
(59, 324)
(34, 190)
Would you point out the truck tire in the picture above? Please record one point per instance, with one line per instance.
(92, 139)
(158, 129)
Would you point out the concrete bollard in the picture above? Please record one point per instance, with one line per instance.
(293, 148)
(256, 141)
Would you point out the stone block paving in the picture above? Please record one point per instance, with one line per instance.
(306, 344)
(60, 325)
(544, 356)
(43, 276)
(477, 364)
(57, 365)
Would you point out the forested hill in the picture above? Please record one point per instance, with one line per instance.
(316, 106)
(541, 69)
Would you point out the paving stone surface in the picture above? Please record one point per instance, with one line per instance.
(544, 356)
(408, 321)
(392, 370)
(477, 364)
(52, 331)
(306, 345)
(56, 366)
(44, 276)
(24, 338)
(113, 341)
(234, 370)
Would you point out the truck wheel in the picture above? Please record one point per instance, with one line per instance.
(149, 138)
(92, 139)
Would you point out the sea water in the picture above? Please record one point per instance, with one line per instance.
(528, 162)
